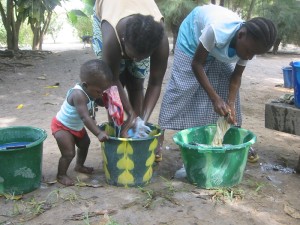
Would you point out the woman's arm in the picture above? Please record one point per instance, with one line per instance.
(112, 56)
(200, 56)
(158, 66)
(235, 83)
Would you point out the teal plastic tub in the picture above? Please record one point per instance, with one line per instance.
(214, 167)
(21, 150)
(128, 162)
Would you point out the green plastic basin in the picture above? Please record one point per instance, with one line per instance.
(214, 167)
(128, 162)
(21, 150)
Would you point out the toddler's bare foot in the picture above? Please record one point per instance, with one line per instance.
(65, 180)
(84, 169)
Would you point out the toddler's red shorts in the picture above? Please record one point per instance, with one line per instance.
(57, 126)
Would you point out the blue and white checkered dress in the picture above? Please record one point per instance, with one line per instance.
(185, 103)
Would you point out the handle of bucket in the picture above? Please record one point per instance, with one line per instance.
(15, 147)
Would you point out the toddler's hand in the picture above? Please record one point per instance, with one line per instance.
(102, 136)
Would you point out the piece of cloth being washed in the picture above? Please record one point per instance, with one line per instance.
(68, 126)
(222, 127)
(114, 105)
(129, 36)
(212, 50)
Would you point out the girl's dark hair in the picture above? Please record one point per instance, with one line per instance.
(143, 33)
(262, 30)
(95, 68)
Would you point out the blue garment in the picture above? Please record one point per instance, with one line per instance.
(224, 24)
(68, 114)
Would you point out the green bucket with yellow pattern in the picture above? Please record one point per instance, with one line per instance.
(127, 162)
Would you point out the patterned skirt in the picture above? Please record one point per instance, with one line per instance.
(185, 103)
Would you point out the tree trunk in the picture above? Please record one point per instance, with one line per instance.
(222, 2)
(250, 9)
(44, 29)
(213, 2)
(36, 34)
(9, 24)
(276, 46)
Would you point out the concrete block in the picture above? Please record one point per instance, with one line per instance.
(282, 117)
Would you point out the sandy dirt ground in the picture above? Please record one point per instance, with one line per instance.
(265, 196)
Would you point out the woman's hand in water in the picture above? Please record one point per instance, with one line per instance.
(129, 123)
(102, 136)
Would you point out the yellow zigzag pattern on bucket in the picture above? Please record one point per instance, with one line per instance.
(147, 176)
(125, 163)
(107, 174)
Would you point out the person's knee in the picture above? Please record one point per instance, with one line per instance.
(68, 155)
(84, 143)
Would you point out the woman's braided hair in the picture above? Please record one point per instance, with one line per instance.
(143, 33)
(262, 30)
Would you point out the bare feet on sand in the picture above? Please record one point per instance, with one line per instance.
(65, 180)
(84, 169)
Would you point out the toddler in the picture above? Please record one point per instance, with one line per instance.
(68, 126)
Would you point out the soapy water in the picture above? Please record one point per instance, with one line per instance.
(141, 130)
(270, 167)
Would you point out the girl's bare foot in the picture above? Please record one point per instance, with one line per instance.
(65, 180)
(158, 154)
(84, 169)
(298, 166)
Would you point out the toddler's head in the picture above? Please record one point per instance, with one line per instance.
(95, 77)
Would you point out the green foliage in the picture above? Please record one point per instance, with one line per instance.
(25, 35)
(2, 34)
(81, 21)
(285, 14)
(174, 11)
(83, 25)
(33, 9)
(88, 6)
(55, 26)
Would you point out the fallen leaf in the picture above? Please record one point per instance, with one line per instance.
(105, 220)
(82, 216)
(204, 192)
(20, 106)
(83, 184)
(295, 213)
(11, 197)
(50, 103)
(52, 86)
